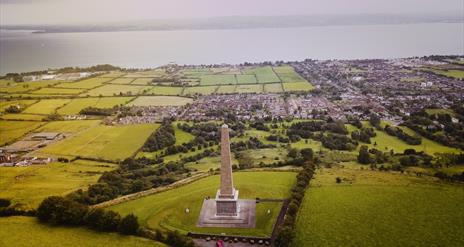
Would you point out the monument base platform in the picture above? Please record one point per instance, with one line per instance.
(246, 217)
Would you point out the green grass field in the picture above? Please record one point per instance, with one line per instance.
(372, 208)
(142, 81)
(20, 117)
(298, 86)
(122, 81)
(68, 126)
(163, 90)
(182, 136)
(440, 111)
(107, 142)
(208, 80)
(458, 74)
(254, 88)
(167, 209)
(58, 91)
(21, 103)
(387, 142)
(12, 130)
(46, 106)
(160, 101)
(227, 89)
(30, 185)
(273, 88)
(85, 84)
(200, 90)
(27, 231)
(76, 105)
(19, 87)
(264, 74)
(246, 79)
(113, 89)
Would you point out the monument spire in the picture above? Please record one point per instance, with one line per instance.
(227, 184)
(226, 210)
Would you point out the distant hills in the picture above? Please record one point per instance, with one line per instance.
(244, 22)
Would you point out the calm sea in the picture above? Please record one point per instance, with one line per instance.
(25, 51)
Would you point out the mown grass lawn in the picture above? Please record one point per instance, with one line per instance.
(372, 208)
(27, 231)
(167, 209)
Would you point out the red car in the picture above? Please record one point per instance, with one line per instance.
(220, 243)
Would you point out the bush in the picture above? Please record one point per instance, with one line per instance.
(173, 238)
(4, 203)
(60, 210)
(129, 225)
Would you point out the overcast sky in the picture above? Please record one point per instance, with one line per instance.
(103, 11)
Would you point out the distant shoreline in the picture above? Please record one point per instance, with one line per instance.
(242, 22)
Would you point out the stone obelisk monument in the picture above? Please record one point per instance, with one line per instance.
(227, 196)
(226, 210)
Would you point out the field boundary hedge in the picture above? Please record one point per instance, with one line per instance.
(152, 191)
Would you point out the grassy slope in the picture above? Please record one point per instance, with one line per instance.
(26, 231)
(372, 208)
(167, 209)
(30, 185)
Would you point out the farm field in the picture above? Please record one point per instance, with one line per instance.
(246, 79)
(255, 88)
(200, 90)
(273, 88)
(164, 90)
(58, 91)
(264, 74)
(167, 209)
(68, 126)
(226, 89)
(41, 235)
(20, 117)
(113, 90)
(372, 208)
(21, 103)
(122, 81)
(207, 80)
(142, 81)
(46, 106)
(85, 84)
(76, 105)
(107, 142)
(14, 87)
(30, 185)
(12, 130)
(459, 74)
(160, 101)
